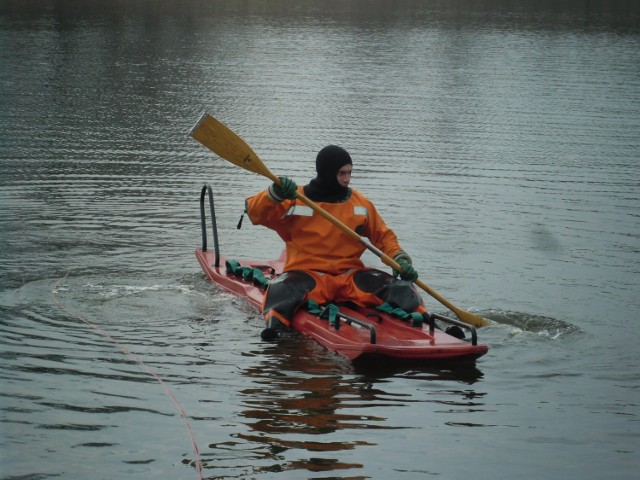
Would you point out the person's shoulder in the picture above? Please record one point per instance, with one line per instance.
(356, 194)
(359, 196)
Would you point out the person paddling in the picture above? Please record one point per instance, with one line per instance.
(322, 263)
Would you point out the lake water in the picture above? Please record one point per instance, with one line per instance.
(499, 139)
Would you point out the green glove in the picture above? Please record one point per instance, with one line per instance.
(286, 189)
(407, 272)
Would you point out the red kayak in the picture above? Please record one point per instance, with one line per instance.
(355, 333)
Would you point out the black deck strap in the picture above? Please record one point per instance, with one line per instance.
(414, 318)
(233, 266)
(328, 311)
(262, 268)
(249, 274)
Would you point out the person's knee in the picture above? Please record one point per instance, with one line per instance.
(371, 280)
(402, 294)
(287, 292)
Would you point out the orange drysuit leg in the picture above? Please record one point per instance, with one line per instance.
(370, 286)
(366, 287)
(285, 295)
(290, 290)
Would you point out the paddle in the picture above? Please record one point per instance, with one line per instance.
(228, 145)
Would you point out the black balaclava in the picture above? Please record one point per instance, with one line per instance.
(325, 187)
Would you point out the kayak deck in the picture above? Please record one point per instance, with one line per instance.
(358, 333)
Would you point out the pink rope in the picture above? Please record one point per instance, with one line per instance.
(124, 349)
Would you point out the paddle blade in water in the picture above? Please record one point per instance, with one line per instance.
(466, 317)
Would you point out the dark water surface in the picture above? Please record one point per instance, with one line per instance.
(499, 139)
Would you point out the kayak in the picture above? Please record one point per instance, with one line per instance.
(352, 332)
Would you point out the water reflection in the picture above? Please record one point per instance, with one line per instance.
(304, 402)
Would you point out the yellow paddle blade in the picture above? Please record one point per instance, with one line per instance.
(218, 138)
(470, 318)
(467, 317)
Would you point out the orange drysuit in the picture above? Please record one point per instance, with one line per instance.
(314, 243)
(323, 263)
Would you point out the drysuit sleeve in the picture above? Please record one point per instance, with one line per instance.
(263, 210)
(380, 234)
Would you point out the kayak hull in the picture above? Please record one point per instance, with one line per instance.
(361, 333)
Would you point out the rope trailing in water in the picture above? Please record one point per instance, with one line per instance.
(73, 313)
